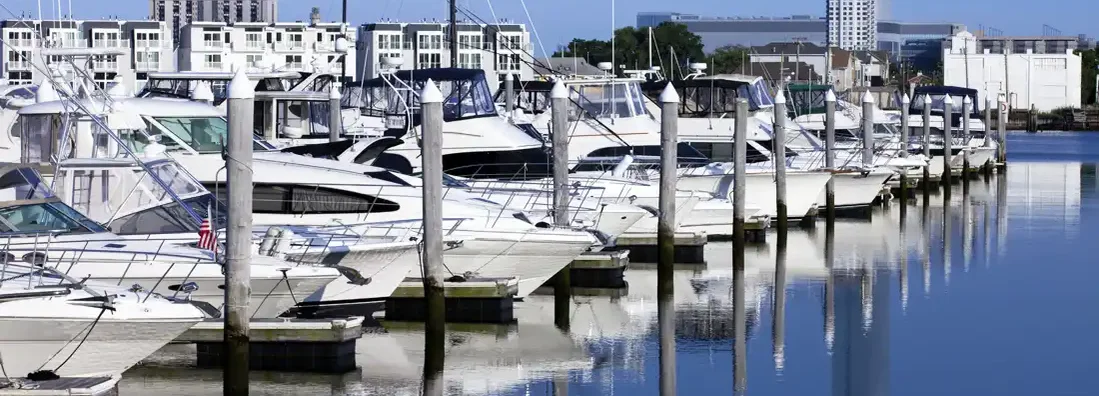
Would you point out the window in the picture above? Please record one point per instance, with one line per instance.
(469, 42)
(211, 40)
(508, 62)
(19, 60)
(293, 62)
(147, 40)
(428, 61)
(294, 41)
(253, 41)
(147, 60)
(170, 218)
(212, 61)
(105, 39)
(105, 62)
(299, 199)
(389, 41)
(253, 60)
(45, 217)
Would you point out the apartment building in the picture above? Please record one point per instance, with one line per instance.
(853, 24)
(145, 47)
(281, 46)
(497, 49)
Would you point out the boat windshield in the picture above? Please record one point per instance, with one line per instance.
(182, 87)
(45, 217)
(938, 103)
(466, 93)
(757, 94)
(201, 134)
(611, 100)
(171, 217)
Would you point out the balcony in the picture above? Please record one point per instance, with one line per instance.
(105, 65)
(326, 46)
(21, 42)
(105, 43)
(290, 46)
(212, 66)
(17, 65)
(295, 66)
(213, 44)
(151, 66)
(146, 43)
(254, 46)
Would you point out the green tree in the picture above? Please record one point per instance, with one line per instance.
(1089, 61)
(727, 59)
(631, 47)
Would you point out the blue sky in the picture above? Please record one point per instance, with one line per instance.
(559, 20)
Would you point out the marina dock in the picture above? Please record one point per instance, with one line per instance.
(297, 345)
(475, 300)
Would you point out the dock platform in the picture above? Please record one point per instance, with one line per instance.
(283, 344)
(755, 231)
(602, 270)
(64, 386)
(642, 247)
(474, 300)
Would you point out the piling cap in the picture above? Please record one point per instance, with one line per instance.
(430, 93)
(507, 77)
(905, 100)
(45, 92)
(334, 90)
(240, 87)
(669, 95)
(559, 91)
(867, 97)
(202, 92)
(829, 96)
(947, 100)
(967, 100)
(927, 99)
(780, 98)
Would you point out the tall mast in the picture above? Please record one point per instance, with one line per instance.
(453, 33)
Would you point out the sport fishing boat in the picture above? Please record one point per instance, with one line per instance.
(53, 234)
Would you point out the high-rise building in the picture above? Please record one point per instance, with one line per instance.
(853, 24)
(177, 13)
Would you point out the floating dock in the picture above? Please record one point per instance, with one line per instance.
(473, 300)
(643, 249)
(282, 344)
(755, 231)
(65, 386)
(601, 270)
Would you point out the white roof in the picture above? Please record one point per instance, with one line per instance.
(731, 77)
(192, 75)
(156, 107)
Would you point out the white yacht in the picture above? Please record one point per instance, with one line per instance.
(301, 191)
(52, 322)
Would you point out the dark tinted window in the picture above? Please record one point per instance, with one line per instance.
(290, 199)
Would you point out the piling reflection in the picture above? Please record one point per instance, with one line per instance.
(860, 359)
(778, 324)
(740, 333)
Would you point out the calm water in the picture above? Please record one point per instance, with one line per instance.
(991, 293)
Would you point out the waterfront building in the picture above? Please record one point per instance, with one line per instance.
(1041, 72)
(497, 49)
(281, 46)
(177, 13)
(145, 46)
(913, 41)
(848, 68)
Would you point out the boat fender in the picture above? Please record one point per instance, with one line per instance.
(542, 224)
(268, 241)
(282, 244)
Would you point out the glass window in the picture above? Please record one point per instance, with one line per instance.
(297, 199)
(170, 218)
(45, 217)
(203, 134)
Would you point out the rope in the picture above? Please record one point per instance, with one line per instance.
(272, 291)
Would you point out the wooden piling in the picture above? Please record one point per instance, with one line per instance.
(559, 117)
(431, 138)
(779, 159)
(830, 154)
(238, 249)
(669, 118)
(335, 120)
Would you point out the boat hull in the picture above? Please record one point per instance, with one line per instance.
(855, 190)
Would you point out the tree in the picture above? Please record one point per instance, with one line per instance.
(727, 59)
(631, 47)
(1089, 61)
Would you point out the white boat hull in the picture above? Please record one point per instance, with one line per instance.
(385, 266)
(855, 190)
(532, 260)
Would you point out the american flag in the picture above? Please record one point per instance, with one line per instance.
(206, 237)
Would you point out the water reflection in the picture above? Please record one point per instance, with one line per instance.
(825, 306)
